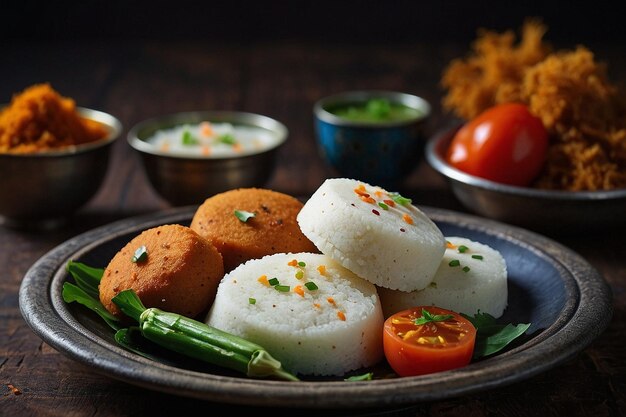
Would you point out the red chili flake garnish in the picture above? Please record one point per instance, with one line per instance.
(376, 212)
(389, 202)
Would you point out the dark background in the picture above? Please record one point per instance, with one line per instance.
(333, 21)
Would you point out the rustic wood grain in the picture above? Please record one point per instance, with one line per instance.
(135, 80)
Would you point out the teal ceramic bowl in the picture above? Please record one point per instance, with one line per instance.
(373, 136)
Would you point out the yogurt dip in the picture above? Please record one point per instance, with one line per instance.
(217, 140)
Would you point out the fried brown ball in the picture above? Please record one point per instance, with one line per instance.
(272, 229)
(179, 272)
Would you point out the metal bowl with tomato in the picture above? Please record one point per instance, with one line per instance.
(492, 177)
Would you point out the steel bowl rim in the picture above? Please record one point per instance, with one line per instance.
(111, 122)
(434, 158)
(410, 100)
(142, 147)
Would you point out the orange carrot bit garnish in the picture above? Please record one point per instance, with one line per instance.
(263, 280)
(293, 262)
(378, 193)
(237, 147)
(317, 305)
(322, 269)
(389, 202)
(298, 290)
(341, 316)
(206, 129)
(450, 245)
(331, 300)
(367, 199)
(360, 189)
(407, 218)
(206, 150)
(165, 147)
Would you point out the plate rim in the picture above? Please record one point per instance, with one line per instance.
(582, 319)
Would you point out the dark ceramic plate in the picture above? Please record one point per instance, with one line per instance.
(565, 299)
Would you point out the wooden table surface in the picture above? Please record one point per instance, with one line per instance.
(136, 80)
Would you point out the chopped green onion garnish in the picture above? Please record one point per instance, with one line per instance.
(466, 269)
(301, 264)
(282, 288)
(311, 286)
(463, 248)
(189, 139)
(227, 138)
(140, 255)
(454, 262)
(273, 281)
(252, 300)
(479, 257)
(244, 215)
(403, 201)
(383, 205)
(300, 274)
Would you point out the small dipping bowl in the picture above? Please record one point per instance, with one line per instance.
(382, 152)
(43, 190)
(546, 211)
(188, 178)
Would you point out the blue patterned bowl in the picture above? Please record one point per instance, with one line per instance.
(382, 152)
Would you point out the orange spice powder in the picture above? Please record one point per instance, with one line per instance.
(39, 119)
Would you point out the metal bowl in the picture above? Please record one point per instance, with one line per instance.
(187, 180)
(550, 211)
(42, 190)
(381, 153)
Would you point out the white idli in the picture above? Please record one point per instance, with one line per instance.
(329, 328)
(359, 225)
(472, 277)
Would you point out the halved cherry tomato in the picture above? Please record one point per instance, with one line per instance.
(418, 349)
(505, 144)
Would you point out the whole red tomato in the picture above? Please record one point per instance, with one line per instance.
(505, 144)
(427, 339)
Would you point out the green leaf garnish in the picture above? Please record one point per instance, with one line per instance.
(364, 377)
(188, 139)
(140, 255)
(87, 278)
(427, 317)
(311, 286)
(73, 293)
(243, 215)
(492, 337)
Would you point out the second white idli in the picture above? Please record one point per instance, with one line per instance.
(472, 277)
(376, 234)
(309, 312)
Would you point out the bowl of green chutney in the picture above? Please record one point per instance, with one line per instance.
(373, 136)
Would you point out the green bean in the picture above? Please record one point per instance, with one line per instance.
(200, 341)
